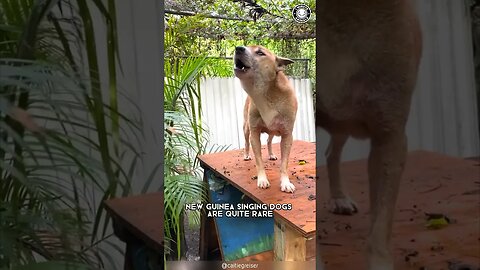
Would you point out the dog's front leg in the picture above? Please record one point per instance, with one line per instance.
(340, 203)
(262, 181)
(285, 147)
(385, 167)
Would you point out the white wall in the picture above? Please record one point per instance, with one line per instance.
(140, 27)
(443, 116)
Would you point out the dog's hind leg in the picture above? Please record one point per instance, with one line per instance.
(340, 203)
(246, 133)
(271, 156)
(385, 166)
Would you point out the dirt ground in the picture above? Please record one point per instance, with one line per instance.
(192, 235)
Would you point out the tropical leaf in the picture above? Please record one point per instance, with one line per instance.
(64, 146)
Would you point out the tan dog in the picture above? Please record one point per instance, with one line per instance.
(271, 107)
(368, 55)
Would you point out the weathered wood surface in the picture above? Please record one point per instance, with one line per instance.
(431, 183)
(231, 167)
(142, 216)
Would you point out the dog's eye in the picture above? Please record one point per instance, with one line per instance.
(260, 53)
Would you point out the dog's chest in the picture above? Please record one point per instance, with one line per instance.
(273, 124)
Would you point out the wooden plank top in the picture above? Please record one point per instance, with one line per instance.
(431, 183)
(142, 216)
(230, 166)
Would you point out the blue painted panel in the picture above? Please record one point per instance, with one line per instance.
(239, 237)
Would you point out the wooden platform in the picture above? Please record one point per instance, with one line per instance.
(432, 183)
(294, 229)
(138, 219)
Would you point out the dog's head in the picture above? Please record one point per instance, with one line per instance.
(257, 63)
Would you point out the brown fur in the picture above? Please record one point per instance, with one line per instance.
(368, 56)
(271, 107)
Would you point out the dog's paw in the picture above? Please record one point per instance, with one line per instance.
(287, 186)
(272, 157)
(262, 182)
(247, 157)
(343, 206)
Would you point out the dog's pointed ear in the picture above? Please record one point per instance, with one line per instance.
(283, 62)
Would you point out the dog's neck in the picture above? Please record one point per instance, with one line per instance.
(263, 95)
(260, 88)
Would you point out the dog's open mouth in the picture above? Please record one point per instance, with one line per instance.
(239, 65)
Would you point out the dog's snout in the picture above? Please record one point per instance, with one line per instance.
(239, 49)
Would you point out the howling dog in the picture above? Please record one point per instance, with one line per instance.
(368, 56)
(271, 107)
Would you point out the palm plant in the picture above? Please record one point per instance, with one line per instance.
(183, 142)
(185, 139)
(53, 179)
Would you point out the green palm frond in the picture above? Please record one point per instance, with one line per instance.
(185, 138)
(58, 157)
(64, 145)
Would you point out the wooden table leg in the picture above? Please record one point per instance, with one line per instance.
(124, 235)
(291, 245)
(128, 264)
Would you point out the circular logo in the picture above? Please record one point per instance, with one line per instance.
(301, 13)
